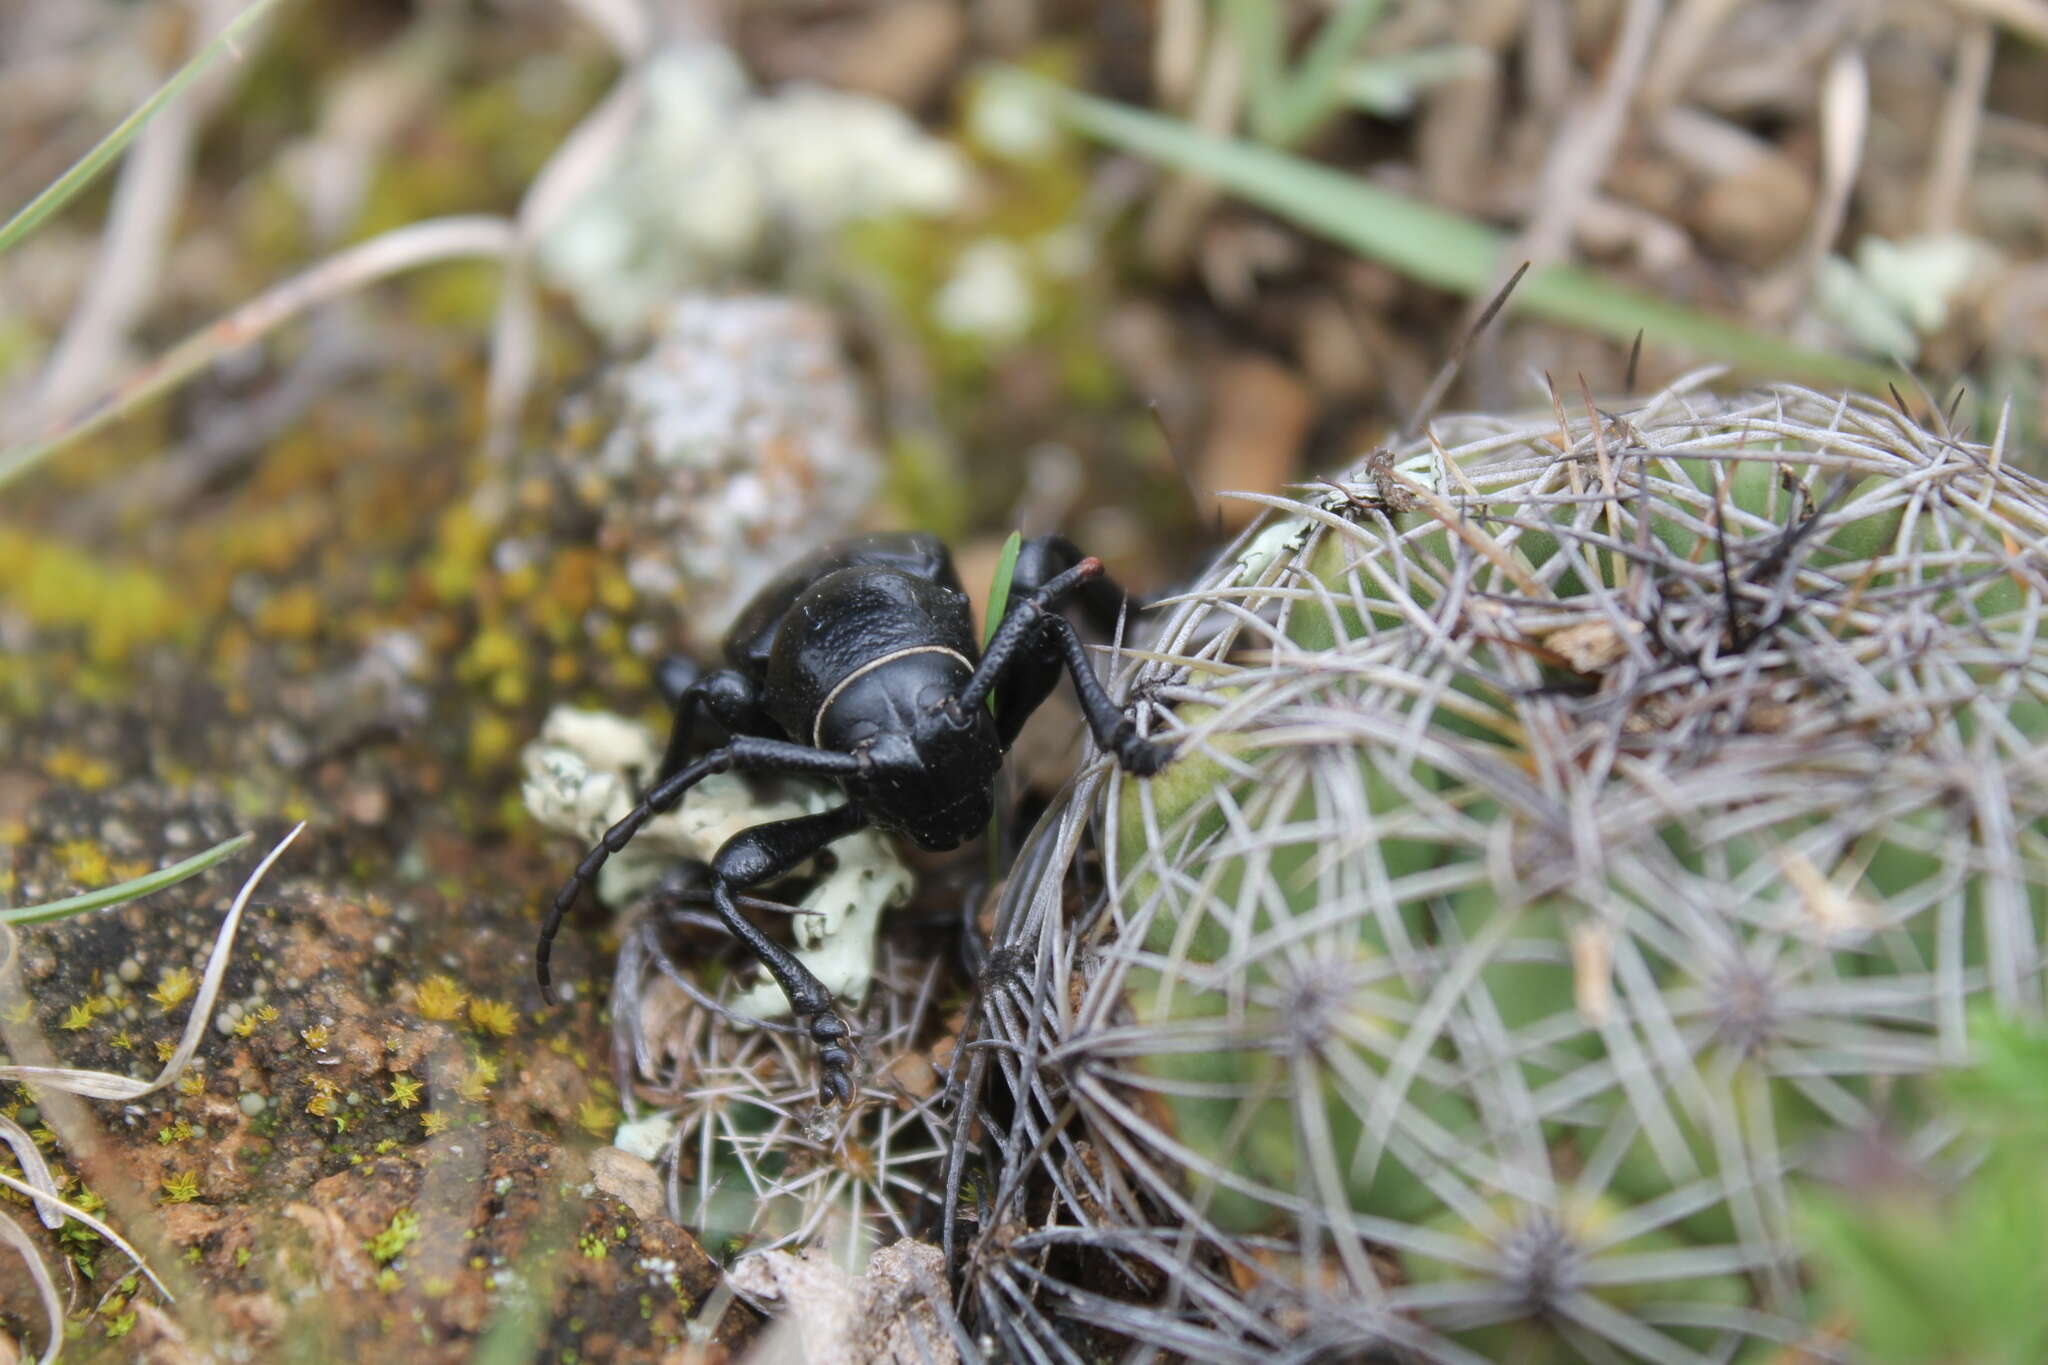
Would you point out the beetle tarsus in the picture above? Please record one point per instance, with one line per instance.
(835, 1058)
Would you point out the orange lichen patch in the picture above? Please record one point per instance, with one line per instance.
(572, 579)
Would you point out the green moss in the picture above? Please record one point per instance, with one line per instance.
(117, 608)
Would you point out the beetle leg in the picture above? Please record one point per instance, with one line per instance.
(1033, 641)
(1043, 558)
(1113, 729)
(746, 753)
(762, 854)
(730, 697)
(1030, 678)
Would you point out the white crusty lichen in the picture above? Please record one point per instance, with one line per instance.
(715, 169)
(582, 776)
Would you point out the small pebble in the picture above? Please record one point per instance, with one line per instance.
(130, 970)
(383, 943)
(253, 1103)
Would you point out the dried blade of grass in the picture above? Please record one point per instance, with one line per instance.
(1955, 140)
(105, 1085)
(626, 24)
(1584, 148)
(2024, 16)
(1844, 118)
(1178, 206)
(406, 248)
(46, 1288)
(128, 260)
(125, 891)
(1680, 49)
(1435, 246)
(1176, 50)
(34, 1169)
(73, 1211)
(89, 166)
(588, 153)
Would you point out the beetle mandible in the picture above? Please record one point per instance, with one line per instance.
(859, 664)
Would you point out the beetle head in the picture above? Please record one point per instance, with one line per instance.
(934, 785)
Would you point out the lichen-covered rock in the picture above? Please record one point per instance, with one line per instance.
(715, 174)
(368, 1144)
(684, 478)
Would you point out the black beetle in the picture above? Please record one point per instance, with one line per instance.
(859, 664)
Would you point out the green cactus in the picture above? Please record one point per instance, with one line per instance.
(1578, 832)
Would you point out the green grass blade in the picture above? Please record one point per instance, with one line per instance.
(126, 891)
(1313, 92)
(999, 586)
(1441, 248)
(89, 166)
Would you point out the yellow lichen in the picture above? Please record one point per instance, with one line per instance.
(85, 862)
(492, 738)
(294, 614)
(118, 607)
(79, 769)
(173, 988)
(596, 1117)
(439, 998)
(475, 1085)
(494, 1017)
(463, 546)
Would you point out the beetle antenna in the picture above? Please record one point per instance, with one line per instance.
(662, 797)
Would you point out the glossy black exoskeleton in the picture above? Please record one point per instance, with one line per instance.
(859, 664)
